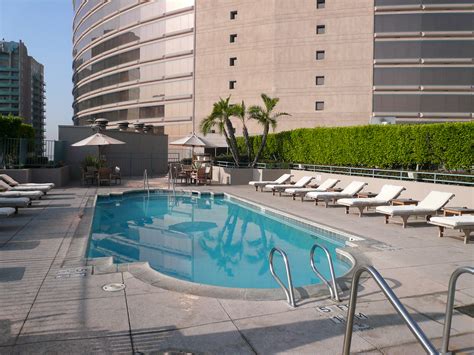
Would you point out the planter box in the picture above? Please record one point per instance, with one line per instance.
(242, 176)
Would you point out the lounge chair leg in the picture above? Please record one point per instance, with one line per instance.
(315, 201)
(273, 192)
(467, 234)
(327, 203)
(279, 193)
(302, 197)
(441, 231)
(428, 217)
(256, 188)
(347, 210)
(361, 210)
(386, 219)
(405, 219)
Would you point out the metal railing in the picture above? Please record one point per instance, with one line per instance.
(290, 297)
(401, 310)
(450, 304)
(332, 288)
(146, 183)
(409, 175)
(21, 152)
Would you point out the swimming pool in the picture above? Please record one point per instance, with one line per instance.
(219, 241)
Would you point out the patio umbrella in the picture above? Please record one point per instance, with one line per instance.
(97, 139)
(193, 141)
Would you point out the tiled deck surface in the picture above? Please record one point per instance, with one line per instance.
(43, 313)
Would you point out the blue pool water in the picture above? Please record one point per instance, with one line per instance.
(214, 241)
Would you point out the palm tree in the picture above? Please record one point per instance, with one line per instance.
(266, 117)
(240, 113)
(220, 116)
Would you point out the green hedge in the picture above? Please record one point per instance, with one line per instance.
(447, 145)
(13, 127)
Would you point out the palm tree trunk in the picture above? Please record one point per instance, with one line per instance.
(236, 158)
(266, 128)
(247, 142)
(233, 142)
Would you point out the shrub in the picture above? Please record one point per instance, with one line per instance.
(13, 127)
(445, 145)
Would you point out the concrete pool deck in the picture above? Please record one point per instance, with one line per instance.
(52, 302)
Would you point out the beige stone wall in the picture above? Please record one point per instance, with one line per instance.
(275, 49)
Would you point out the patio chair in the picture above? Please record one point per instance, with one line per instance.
(116, 175)
(281, 180)
(429, 206)
(6, 191)
(15, 203)
(7, 187)
(302, 191)
(305, 180)
(104, 175)
(87, 176)
(350, 191)
(383, 198)
(463, 223)
(12, 182)
(6, 211)
(202, 175)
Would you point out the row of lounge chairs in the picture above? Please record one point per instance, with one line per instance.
(346, 197)
(14, 195)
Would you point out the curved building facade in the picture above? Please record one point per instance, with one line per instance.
(134, 62)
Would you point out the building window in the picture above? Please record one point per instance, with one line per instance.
(319, 80)
(320, 55)
(233, 15)
(232, 61)
(319, 106)
(233, 38)
(320, 4)
(232, 84)
(320, 29)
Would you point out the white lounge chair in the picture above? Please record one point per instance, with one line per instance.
(383, 198)
(463, 223)
(6, 211)
(15, 202)
(302, 191)
(281, 180)
(350, 191)
(305, 180)
(12, 182)
(5, 187)
(431, 204)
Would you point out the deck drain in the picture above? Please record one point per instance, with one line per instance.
(467, 310)
(114, 287)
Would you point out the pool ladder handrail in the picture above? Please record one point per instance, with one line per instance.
(290, 297)
(146, 182)
(332, 288)
(172, 177)
(450, 304)
(390, 295)
(401, 310)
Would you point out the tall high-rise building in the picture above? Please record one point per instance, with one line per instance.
(22, 91)
(133, 62)
(331, 62)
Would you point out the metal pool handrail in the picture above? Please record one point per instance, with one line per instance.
(146, 183)
(401, 310)
(332, 288)
(450, 304)
(290, 298)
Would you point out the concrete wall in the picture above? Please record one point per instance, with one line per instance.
(58, 176)
(141, 151)
(275, 49)
(464, 195)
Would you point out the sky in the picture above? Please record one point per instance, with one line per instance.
(45, 26)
